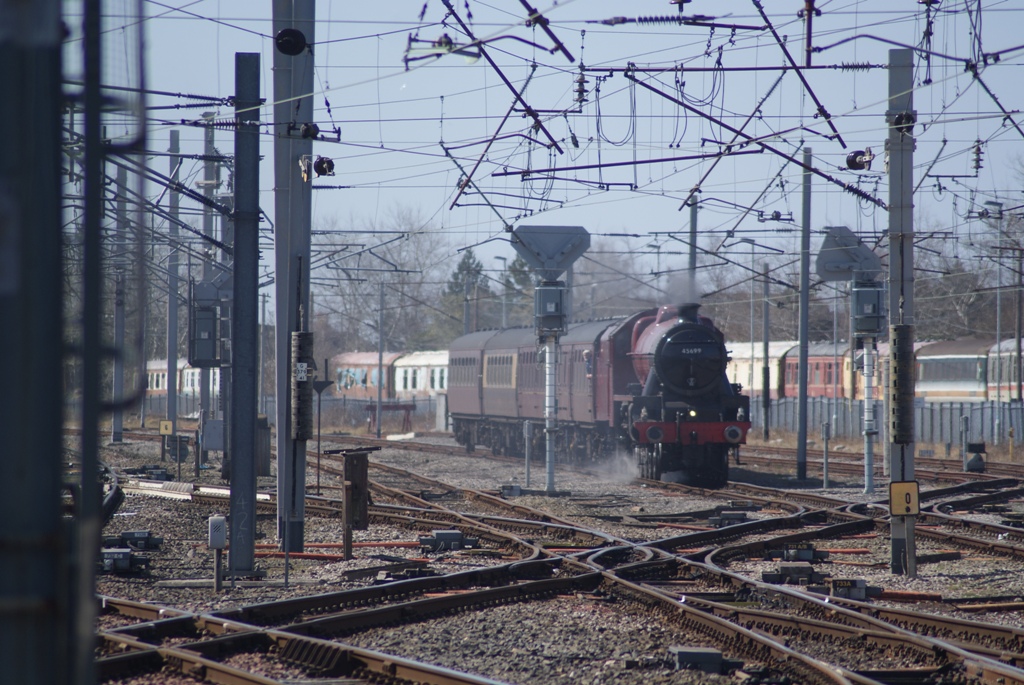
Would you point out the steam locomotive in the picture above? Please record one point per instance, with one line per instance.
(651, 385)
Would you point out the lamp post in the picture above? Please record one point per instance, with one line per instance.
(504, 291)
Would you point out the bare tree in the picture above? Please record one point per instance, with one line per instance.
(349, 265)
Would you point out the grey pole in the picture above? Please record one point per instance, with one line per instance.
(753, 291)
(528, 439)
(805, 287)
(1019, 323)
(88, 521)
(692, 263)
(998, 326)
(118, 263)
(550, 408)
(465, 307)
(869, 416)
(569, 284)
(244, 323)
(40, 640)
(504, 291)
(209, 169)
(261, 400)
(826, 434)
(173, 201)
(901, 118)
(380, 358)
(766, 376)
(293, 98)
(965, 437)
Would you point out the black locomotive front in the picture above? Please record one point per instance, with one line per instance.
(687, 417)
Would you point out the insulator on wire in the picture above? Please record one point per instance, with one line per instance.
(659, 20)
(581, 88)
(977, 155)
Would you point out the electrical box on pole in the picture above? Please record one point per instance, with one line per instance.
(868, 308)
(550, 250)
(203, 327)
(549, 308)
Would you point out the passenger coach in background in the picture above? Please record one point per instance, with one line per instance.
(652, 385)
(404, 375)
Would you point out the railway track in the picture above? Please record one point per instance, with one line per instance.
(682, 581)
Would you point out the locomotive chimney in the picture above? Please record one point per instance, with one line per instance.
(688, 311)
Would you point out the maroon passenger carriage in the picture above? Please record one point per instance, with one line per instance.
(652, 385)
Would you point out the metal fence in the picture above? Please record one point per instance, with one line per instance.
(994, 423)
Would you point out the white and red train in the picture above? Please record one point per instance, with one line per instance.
(963, 370)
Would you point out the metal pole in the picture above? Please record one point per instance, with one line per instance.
(465, 307)
(550, 408)
(528, 437)
(43, 637)
(965, 433)
(88, 515)
(1017, 328)
(173, 200)
(262, 399)
(244, 323)
(805, 287)
(504, 291)
(380, 359)
(319, 412)
(826, 433)
(118, 264)
(869, 416)
(218, 570)
(766, 377)
(998, 333)
(209, 176)
(752, 291)
(293, 107)
(901, 118)
(692, 263)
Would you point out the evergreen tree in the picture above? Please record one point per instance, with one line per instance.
(469, 292)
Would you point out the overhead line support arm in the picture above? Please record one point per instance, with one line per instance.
(807, 86)
(483, 51)
(842, 184)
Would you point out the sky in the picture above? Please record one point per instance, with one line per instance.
(402, 133)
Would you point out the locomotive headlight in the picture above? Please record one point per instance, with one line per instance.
(655, 434)
(693, 413)
(733, 434)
